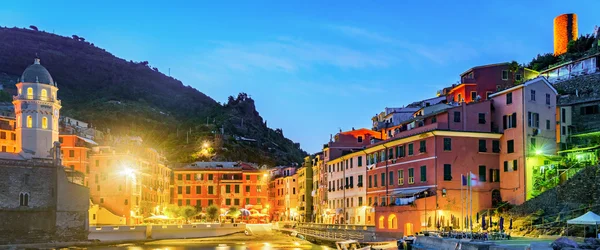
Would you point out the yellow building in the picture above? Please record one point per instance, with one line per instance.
(8, 138)
(130, 181)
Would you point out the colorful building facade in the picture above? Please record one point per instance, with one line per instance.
(133, 184)
(224, 184)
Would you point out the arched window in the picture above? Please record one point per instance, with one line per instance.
(392, 222)
(24, 199)
(44, 95)
(44, 122)
(381, 221)
(29, 93)
(29, 121)
(20, 91)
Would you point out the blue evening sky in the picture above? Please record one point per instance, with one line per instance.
(313, 67)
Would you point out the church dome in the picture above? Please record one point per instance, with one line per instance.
(36, 73)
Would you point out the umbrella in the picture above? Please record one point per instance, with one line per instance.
(483, 226)
(501, 223)
(510, 224)
(244, 212)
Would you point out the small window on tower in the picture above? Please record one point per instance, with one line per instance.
(44, 122)
(44, 94)
(29, 121)
(29, 93)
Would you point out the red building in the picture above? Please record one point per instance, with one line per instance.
(224, 184)
(484, 80)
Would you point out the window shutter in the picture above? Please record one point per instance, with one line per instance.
(514, 120)
(504, 122)
(505, 166)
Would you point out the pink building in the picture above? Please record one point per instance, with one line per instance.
(420, 169)
(526, 115)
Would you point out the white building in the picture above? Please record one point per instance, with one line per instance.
(347, 192)
(37, 112)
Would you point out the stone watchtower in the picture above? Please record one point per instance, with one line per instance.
(37, 112)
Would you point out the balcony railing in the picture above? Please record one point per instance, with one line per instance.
(36, 98)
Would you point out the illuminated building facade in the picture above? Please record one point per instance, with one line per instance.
(526, 116)
(129, 183)
(415, 177)
(37, 111)
(284, 192)
(224, 184)
(75, 151)
(305, 191)
(319, 188)
(565, 30)
(8, 137)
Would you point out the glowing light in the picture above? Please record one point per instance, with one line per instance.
(539, 152)
(205, 145)
(127, 172)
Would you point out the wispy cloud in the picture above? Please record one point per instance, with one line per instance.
(290, 55)
(440, 53)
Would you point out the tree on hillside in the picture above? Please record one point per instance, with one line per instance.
(514, 69)
(581, 45)
(33, 27)
(542, 62)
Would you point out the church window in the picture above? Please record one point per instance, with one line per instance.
(29, 93)
(24, 199)
(44, 122)
(29, 121)
(44, 94)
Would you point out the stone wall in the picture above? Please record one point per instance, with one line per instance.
(40, 220)
(582, 190)
(580, 92)
(72, 206)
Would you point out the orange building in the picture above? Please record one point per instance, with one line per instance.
(130, 183)
(8, 138)
(75, 153)
(225, 184)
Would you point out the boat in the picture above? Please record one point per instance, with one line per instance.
(350, 245)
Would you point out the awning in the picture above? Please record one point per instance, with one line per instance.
(589, 218)
(409, 191)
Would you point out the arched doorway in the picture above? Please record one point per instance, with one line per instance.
(392, 222)
(381, 221)
(409, 229)
(496, 198)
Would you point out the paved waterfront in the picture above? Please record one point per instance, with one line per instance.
(272, 240)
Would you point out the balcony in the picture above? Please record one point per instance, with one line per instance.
(35, 98)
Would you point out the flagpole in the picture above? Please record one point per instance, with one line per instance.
(462, 203)
(471, 202)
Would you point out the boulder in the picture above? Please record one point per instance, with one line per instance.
(563, 243)
(592, 241)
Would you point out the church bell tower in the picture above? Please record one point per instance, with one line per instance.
(37, 111)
